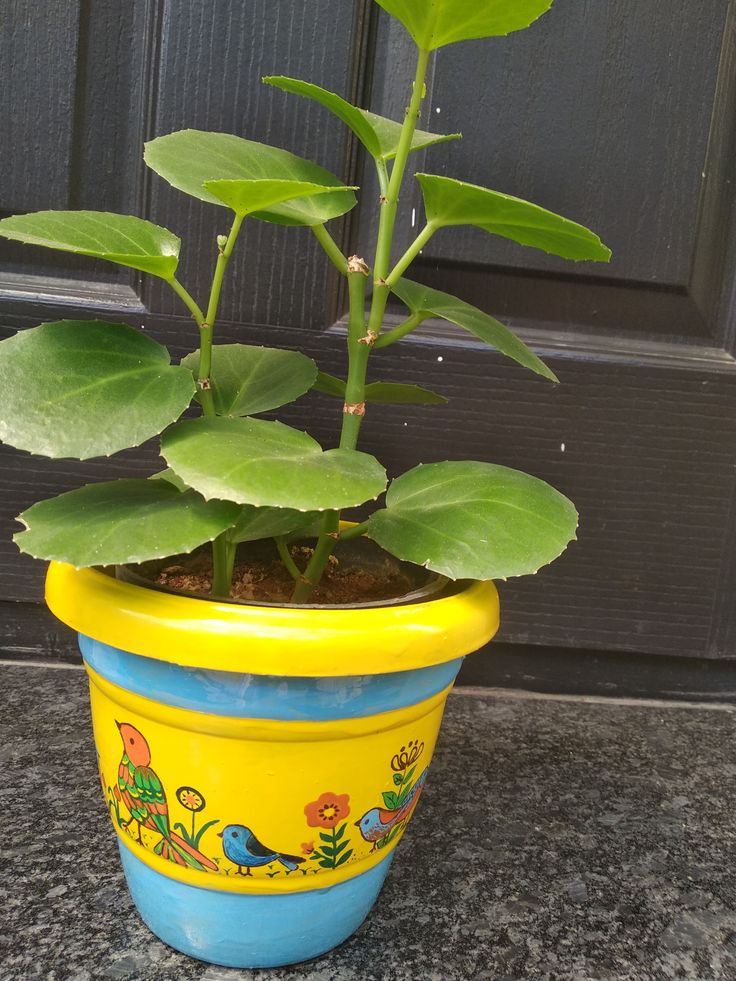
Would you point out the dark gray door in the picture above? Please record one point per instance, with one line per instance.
(620, 116)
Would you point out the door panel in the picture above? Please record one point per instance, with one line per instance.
(620, 116)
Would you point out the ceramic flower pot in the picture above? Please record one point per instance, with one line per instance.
(261, 764)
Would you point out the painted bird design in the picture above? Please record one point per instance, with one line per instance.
(143, 794)
(243, 849)
(378, 822)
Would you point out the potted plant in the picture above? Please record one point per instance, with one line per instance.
(266, 706)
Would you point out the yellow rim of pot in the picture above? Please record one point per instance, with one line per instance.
(271, 640)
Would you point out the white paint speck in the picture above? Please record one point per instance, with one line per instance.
(440, 358)
(438, 110)
(413, 217)
(562, 447)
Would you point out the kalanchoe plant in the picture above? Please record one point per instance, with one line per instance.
(86, 388)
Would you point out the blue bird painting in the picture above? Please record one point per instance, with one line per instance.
(379, 821)
(243, 849)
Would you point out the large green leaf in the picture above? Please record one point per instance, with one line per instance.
(424, 301)
(190, 158)
(394, 393)
(435, 23)
(248, 197)
(123, 239)
(122, 521)
(255, 524)
(380, 136)
(268, 464)
(450, 202)
(474, 521)
(85, 388)
(247, 380)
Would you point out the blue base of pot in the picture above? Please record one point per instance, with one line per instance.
(238, 930)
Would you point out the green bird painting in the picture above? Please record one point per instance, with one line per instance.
(144, 796)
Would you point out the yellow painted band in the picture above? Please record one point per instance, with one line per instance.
(272, 641)
(265, 730)
(251, 884)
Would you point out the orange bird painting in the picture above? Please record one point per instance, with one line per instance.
(144, 796)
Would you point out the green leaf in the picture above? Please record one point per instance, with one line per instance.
(398, 394)
(432, 303)
(398, 779)
(325, 837)
(327, 863)
(341, 847)
(340, 831)
(85, 388)
(344, 858)
(390, 800)
(246, 197)
(121, 521)
(255, 524)
(329, 385)
(171, 478)
(190, 158)
(123, 239)
(252, 461)
(380, 136)
(441, 22)
(473, 521)
(247, 380)
(380, 392)
(449, 202)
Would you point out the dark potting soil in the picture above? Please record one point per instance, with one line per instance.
(268, 581)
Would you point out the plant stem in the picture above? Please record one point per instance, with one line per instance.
(390, 204)
(358, 351)
(331, 248)
(410, 324)
(360, 340)
(189, 302)
(223, 552)
(223, 563)
(411, 253)
(207, 328)
(286, 558)
(355, 532)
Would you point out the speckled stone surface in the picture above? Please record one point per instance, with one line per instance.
(557, 839)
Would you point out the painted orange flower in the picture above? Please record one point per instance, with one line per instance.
(190, 798)
(307, 847)
(327, 810)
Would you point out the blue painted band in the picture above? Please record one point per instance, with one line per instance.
(237, 930)
(250, 696)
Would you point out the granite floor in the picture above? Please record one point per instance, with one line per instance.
(557, 839)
